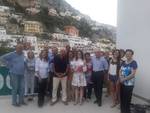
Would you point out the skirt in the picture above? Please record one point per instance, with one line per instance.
(79, 80)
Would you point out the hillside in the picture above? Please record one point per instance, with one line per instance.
(65, 15)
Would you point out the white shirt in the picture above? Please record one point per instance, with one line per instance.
(42, 67)
(113, 69)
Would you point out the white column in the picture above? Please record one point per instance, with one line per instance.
(134, 33)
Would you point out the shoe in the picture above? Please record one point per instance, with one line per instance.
(53, 103)
(81, 103)
(99, 104)
(40, 105)
(25, 96)
(76, 102)
(30, 99)
(114, 105)
(65, 102)
(23, 103)
(87, 100)
(16, 105)
(96, 101)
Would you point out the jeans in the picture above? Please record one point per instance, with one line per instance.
(17, 82)
(125, 98)
(29, 82)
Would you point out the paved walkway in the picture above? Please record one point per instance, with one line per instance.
(87, 107)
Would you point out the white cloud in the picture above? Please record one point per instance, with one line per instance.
(103, 11)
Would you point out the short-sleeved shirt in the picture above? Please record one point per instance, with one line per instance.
(126, 69)
(15, 62)
(60, 64)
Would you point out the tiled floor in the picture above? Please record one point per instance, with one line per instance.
(87, 107)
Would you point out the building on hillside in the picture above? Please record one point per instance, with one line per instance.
(71, 30)
(73, 41)
(68, 13)
(52, 12)
(35, 3)
(34, 7)
(31, 39)
(10, 40)
(4, 9)
(78, 18)
(105, 44)
(3, 34)
(4, 14)
(2, 30)
(32, 10)
(32, 27)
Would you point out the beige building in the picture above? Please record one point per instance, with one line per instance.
(3, 20)
(71, 30)
(33, 27)
(4, 14)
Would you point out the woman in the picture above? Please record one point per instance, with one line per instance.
(122, 55)
(30, 72)
(70, 90)
(79, 81)
(42, 71)
(114, 67)
(88, 74)
(127, 79)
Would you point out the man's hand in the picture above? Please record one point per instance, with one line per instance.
(62, 74)
(59, 75)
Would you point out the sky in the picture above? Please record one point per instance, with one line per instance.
(103, 11)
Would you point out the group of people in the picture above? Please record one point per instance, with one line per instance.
(72, 75)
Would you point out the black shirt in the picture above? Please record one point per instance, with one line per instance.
(60, 64)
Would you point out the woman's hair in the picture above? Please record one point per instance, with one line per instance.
(76, 56)
(130, 50)
(41, 57)
(118, 63)
(71, 53)
(87, 53)
(122, 52)
(29, 53)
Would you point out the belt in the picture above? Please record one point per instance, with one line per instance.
(98, 71)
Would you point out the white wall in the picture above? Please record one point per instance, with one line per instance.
(134, 33)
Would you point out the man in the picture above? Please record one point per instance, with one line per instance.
(100, 66)
(51, 55)
(15, 63)
(27, 48)
(107, 83)
(60, 66)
